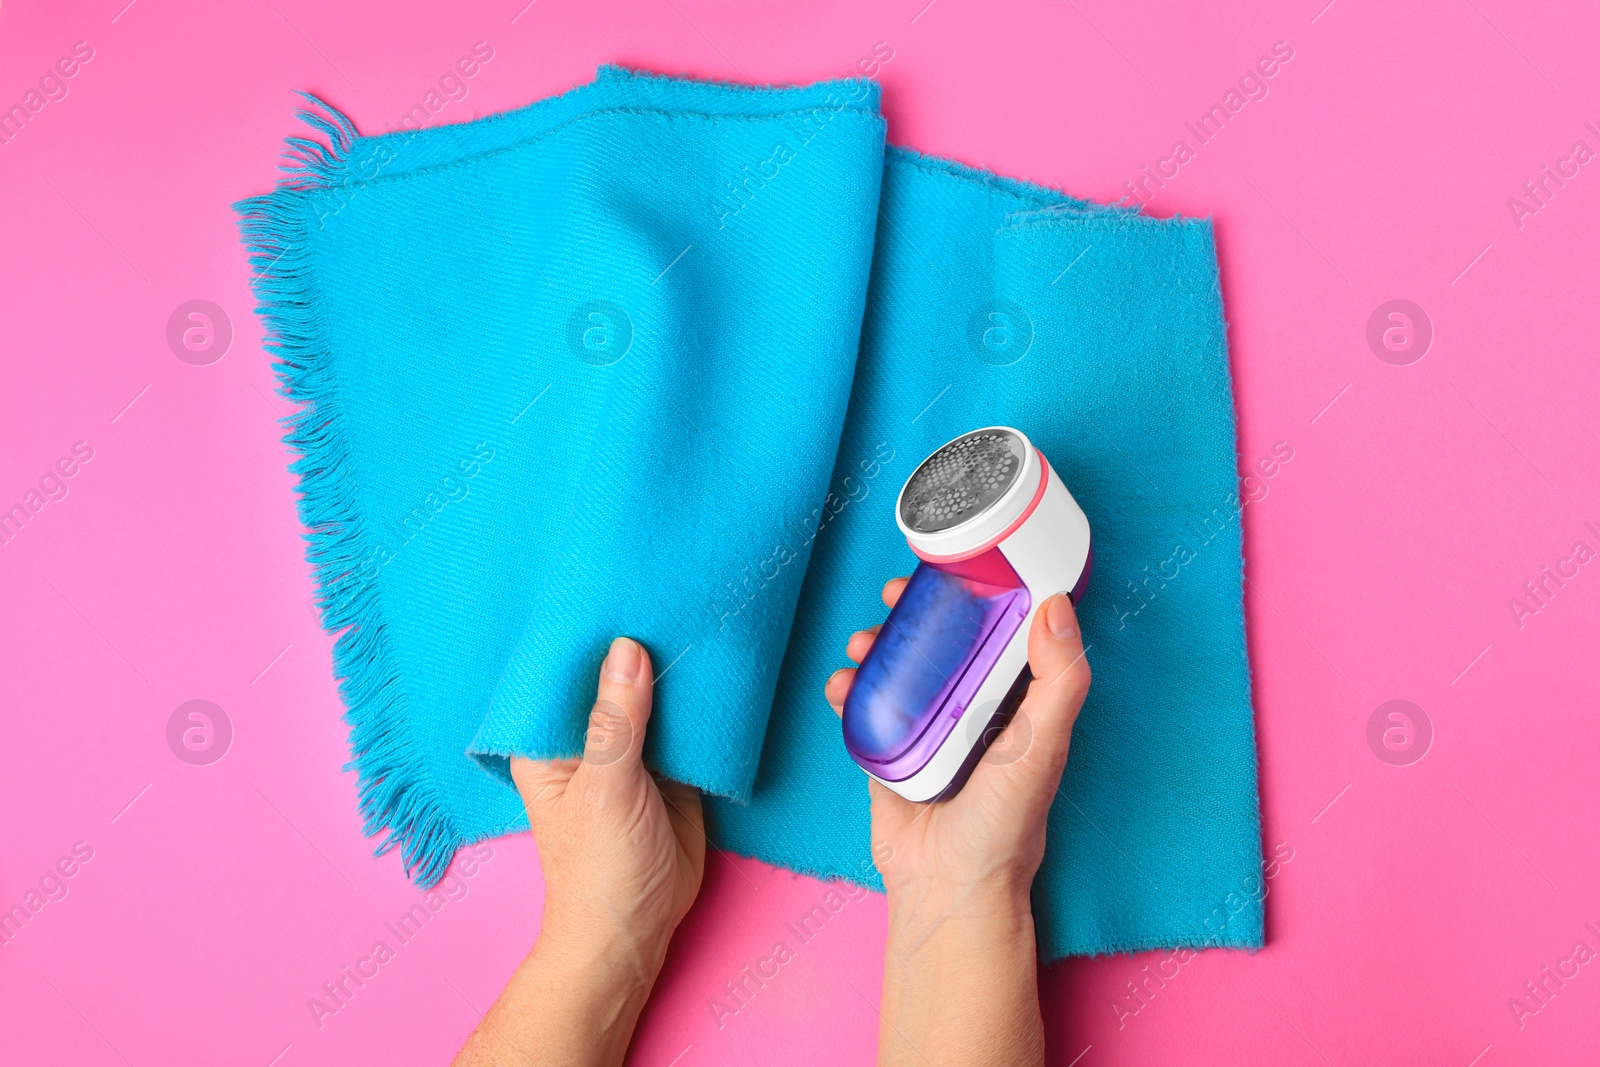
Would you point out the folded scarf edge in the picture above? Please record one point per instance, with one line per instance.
(871, 91)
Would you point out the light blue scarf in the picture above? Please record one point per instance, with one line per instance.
(653, 357)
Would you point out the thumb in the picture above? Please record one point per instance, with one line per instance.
(1032, 751)
(614, 744)
(1060, 678)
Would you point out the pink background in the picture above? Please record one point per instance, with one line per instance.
(1381, 559)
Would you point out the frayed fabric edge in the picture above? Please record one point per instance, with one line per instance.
(397, 798)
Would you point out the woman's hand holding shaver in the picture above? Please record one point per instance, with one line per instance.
(960, 982)
(623, 854)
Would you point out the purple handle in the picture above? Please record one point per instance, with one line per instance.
(938, 645)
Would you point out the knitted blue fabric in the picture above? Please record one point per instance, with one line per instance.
(653, 357)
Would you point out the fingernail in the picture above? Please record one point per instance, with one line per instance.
(1058, 616)
(622, 662)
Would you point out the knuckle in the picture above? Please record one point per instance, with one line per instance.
(1009, 744)
(610, 733)
(1081, 677)
(1073, 679)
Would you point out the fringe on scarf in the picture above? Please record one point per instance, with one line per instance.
(397, 799)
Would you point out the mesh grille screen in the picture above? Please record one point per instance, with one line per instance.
(960, 480)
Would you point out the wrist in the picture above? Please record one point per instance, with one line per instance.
(594, 952)
(932, 914)
(591, 986)
(960, 975)
(575, 999)
(1001, 888)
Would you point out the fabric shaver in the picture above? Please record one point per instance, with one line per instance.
(996, 534)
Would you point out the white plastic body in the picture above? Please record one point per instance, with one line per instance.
(1049, 552)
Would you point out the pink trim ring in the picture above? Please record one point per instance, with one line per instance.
(1044, 481)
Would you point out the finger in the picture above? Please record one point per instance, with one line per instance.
(892, 590)
(539, 781)
(838, 687)
(621, 712)
(1033, 748)
(1060, 677)
(688, 817)
(860, 642)
(1055, 653)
